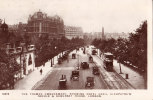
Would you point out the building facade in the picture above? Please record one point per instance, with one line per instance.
(40, 23)
(73, 32)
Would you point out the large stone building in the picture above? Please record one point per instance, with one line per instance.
(73, 32)
(39, 23)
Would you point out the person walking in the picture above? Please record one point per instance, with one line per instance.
(41, 71)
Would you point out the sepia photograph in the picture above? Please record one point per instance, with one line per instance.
(76, 45)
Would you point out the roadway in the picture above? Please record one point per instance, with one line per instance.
(106, 80)
(51, 81)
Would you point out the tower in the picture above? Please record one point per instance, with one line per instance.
(103, 36)
(4, 28)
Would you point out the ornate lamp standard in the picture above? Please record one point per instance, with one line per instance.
(52, 59)
(55, 48)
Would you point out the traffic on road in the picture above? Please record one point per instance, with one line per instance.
(84, 70)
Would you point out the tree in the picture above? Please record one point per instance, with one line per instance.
(133, 49)
(8, 67)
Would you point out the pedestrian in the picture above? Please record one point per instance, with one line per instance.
(41, 71)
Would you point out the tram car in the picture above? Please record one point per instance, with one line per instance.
(108, 61)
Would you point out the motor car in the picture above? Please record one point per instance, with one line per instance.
(59, 60)
(95, 70)
(94, 52)
(89, 82)
(62, 82)
(90, 59)
(84, 65)
(73, 56)
(75, 75)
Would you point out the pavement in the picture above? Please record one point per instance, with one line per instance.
(134, 78)
(30, 80)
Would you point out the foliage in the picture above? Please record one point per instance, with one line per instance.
(8, 66)
(47, 48)
(133, 49)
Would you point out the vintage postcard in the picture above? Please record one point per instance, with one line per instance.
(76, 49)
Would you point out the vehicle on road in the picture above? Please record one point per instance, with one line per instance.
(84, 65)
(108, 61)
(60, 60)
(94, 52)
(75, 75)
(95, 70)
(84, 52)
(73, 56)
(90, 59)
(62, 82)
(89, 82)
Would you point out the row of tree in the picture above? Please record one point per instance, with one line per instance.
(131, 50)
(47, 48)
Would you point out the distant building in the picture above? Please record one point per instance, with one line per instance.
(73, 32)
(4, 34)
(97, 35)
(18, 29)
(116, 35)
(39, 23)
(0, 22)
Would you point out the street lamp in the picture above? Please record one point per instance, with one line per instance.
(78, 61)
(54, 53)
(120, 65)
(52, 59)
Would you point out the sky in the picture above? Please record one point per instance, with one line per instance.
(114, 15)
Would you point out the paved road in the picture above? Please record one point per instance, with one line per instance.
(106, 80)
(51, 81)
(112, 79)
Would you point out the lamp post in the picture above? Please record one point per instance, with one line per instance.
(78, 61)
(21, 72)
(120, 66)
(54, 53)
(51, 62)
(52, 59)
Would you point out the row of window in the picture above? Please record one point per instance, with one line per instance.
(43, 29)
